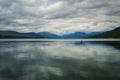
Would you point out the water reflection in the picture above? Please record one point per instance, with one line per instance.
(59, 61)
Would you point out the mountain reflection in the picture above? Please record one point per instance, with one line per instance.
(59, 61)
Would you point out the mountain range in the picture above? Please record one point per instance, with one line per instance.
(115, 33)
(14, 34)
(71, 35)
(108, 34)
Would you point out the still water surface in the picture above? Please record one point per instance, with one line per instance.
(66, 60)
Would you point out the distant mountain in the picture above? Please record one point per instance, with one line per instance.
(79, 35)
(71, 35)
(14, 34)
(74, 35)
(109, 34)
(47, 34)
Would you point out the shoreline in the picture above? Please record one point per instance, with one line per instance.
(61, 40)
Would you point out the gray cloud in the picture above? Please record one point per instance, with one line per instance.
(59, 16)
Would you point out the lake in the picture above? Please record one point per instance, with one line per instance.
(60, 59)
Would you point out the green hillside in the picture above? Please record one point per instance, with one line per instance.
(110, 34)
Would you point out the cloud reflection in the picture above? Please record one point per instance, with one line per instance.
(58, 60)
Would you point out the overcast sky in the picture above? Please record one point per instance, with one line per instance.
(59, 16)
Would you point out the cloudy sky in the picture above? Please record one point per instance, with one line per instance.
(59, 16)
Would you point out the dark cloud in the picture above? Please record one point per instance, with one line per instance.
(7, 22)
(59, 16)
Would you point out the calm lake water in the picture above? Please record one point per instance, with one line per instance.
(60, 60)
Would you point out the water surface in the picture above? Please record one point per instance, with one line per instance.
(61, 60)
